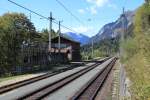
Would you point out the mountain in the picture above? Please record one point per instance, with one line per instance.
(115, 29)
(108, 31)
(83, 39)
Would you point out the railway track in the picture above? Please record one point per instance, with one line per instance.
(12, 86)
(43, 92)
(16, 85)
(90, 90)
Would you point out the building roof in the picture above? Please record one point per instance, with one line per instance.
(66, 38)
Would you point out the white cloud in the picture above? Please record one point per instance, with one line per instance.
(94, 5)
(98, 3)
(81, 11)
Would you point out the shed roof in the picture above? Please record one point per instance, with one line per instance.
(66, 38)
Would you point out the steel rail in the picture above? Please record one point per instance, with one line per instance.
(90, 90)
(44, 91)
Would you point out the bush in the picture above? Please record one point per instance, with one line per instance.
(137, 55)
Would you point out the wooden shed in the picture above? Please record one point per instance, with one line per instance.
(68, 46)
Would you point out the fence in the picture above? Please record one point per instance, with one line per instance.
(29, 59)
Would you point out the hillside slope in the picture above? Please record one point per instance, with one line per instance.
(114, 29)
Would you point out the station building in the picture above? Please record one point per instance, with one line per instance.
(38, 54)
(69, 47)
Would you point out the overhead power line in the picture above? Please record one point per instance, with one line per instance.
(31, 11)
(28, 9)
(69, 12)
(56, 22)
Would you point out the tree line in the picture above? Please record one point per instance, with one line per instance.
(16, 30)
(103, 48)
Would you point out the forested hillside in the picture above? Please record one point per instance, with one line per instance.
(105, 47)
(106, 41)
(137, 54)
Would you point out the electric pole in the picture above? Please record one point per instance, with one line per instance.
(59, 34)
(123, 24)
(30, 16)
(50, 31)
(124, 31)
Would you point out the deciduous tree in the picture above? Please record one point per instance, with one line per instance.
(15, 30)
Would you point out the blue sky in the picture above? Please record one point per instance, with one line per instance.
(100, 12)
